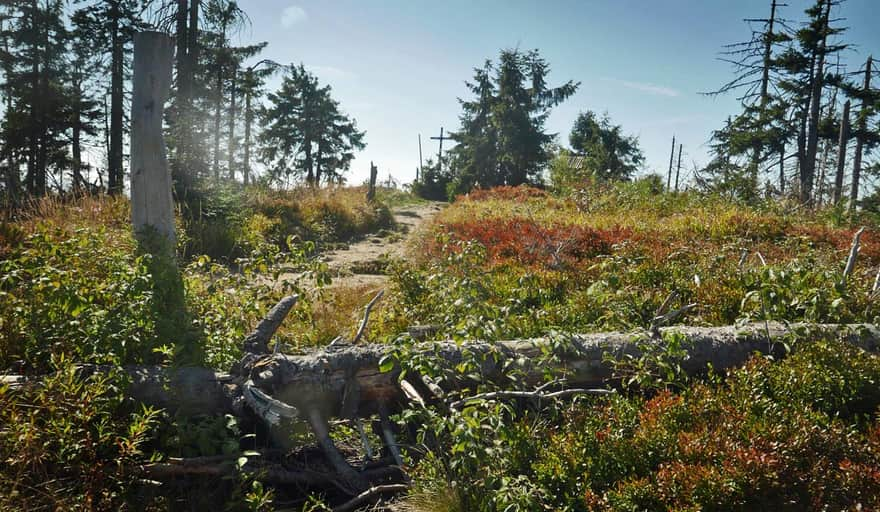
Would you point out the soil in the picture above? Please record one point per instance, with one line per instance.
(363, 263)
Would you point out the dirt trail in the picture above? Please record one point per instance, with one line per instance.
(362, 263)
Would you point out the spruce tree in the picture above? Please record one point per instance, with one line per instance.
(306, 136)
(610, 155)
(502, 140)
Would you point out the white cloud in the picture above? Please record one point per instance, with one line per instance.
(647, 87)
(292, 15)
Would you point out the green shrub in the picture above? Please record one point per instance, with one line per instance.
(71, 443)
(75, 294)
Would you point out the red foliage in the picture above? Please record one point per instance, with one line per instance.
(841, 239)
(519, 194)
(529, 243)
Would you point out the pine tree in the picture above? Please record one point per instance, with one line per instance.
(237, 74)
(610, 154)
(814, 40)
(35, 119)
(251, 87)
(762, 128)
(224, 18)
(867, 136)
(83, 68)
(502, 140)
(113, 22)
(306, 136)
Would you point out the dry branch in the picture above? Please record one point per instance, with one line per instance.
(367, 309)
(224, 466)
(853, 253)
(532, 395)
(257, 342)
(368, 495)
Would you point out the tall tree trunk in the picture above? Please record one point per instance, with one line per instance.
(231, 123)
(42, 93)
(857, 158)
(318, 165)
(678, 167)
(841, 153)
(184, 76)
(193, 39)
(76, 139)
(12, 171)
(34, 111)
(248, 120)
(757, 147)
(782, 169)
(114, 170)
(310, 171)
(218, 100)
(183, 103)
(808, 170)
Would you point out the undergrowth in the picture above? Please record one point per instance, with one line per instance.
(801, 433)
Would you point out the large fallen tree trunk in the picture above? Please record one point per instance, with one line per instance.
(345, 381)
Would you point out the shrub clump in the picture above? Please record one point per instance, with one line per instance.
(800, 434)
(71, 442)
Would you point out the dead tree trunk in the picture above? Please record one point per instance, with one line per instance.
(230, 143)
(757, 147)
(678, 167)
(115, 173)
(371, 191)
(782, 170)
(808, 168)
(841, 153)
(151, 202)
(346, 381)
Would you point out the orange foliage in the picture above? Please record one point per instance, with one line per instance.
(529, 243)
(841, 239)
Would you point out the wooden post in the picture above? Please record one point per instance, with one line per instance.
(371, 192)
(671, 156)
(151, 202)
(678, 169)
(441, 138)
(440, 152)
(841, 152)
(419, 171)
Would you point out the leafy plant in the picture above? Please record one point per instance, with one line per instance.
(71, 442)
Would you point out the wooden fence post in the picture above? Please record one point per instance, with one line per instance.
(371, 192)
(152, 206)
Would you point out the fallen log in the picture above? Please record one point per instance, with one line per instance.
(328, 380)
(345, 381)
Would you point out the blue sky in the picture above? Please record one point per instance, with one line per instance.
(398, 66)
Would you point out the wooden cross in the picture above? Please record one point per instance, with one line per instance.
(441, 138)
